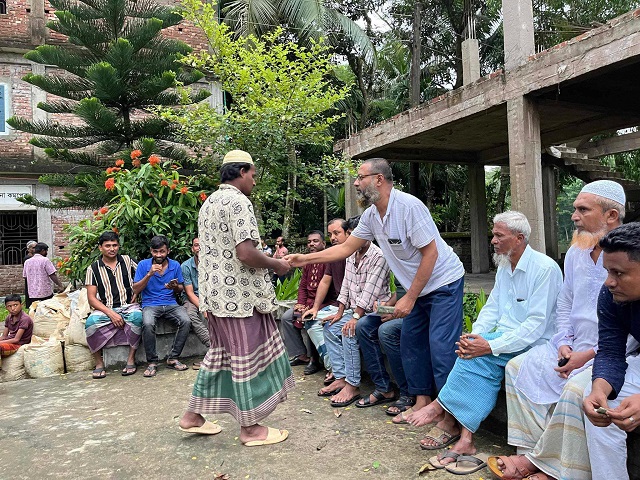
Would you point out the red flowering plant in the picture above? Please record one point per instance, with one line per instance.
(151, 198)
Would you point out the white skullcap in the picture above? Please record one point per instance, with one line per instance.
(237, 156)
(606, 189)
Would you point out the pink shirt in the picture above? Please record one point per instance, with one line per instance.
(37, 270)
(280, 252)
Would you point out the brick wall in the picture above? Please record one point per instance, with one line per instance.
(15, 27)
(12, 281)
(59, 220)
(16, 145)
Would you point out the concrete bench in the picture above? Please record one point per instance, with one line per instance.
(165, 333)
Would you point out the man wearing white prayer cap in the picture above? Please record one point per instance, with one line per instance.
(545, 385)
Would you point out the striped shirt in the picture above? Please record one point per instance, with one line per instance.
(115, 287)
(366, 282)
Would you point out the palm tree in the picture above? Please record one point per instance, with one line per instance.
(309, 19)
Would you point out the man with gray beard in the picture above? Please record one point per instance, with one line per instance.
(428, 269)
(545, 385)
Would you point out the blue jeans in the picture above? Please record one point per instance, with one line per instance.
(344, 351)
(174, 313)
(429, 336)
(315, 331)
(375, 337)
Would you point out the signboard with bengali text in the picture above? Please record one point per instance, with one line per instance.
(10, 193)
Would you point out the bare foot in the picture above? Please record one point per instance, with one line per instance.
(333, 386)
(521, 462)
(346, 394)
(252, 433)
(190, 419)
(432, 413)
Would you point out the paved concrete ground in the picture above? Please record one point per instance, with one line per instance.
(126, 427)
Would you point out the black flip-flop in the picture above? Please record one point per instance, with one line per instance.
(126, 373)
(403, 403)
(177, 365)
(99, 370)
(379, 396)
(347, 403)
(329, 394)
(329, 379)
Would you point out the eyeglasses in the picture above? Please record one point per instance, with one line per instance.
(360, 177)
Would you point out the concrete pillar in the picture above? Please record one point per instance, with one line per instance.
(43, 217)
(470, 61)
(518, 32)
(351, 207)
(37, 23)
(477, 186)
(525, 165)
(550, 198)
(478, 216)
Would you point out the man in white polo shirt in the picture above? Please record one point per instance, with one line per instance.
(422, 262)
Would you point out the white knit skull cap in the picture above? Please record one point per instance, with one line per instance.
(237, 156)
(606, 189)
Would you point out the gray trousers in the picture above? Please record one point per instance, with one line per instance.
(198, 324)
(291, 335)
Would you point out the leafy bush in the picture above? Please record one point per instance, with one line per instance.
(151, 198)
(288, 289)
(472, 304)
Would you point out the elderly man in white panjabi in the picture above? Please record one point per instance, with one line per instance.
(550, 438)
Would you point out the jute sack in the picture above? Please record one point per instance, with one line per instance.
(78, 358)
(44, 360)
(51, 317)
(80, 310)
(13, 365)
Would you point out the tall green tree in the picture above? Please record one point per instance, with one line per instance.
(282, 97)
(115, 66)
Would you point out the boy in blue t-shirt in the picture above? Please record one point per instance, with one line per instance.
(158, 279)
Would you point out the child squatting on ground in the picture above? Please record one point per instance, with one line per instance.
(18, 327)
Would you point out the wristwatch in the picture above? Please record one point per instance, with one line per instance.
(356, 315)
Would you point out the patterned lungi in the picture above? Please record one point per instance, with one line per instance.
(101, 332)
(245, 372)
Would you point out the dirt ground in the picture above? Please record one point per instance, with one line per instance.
(126, 427)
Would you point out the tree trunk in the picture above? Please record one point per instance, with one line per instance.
(292, 184)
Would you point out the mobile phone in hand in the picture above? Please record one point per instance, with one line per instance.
(563, 361)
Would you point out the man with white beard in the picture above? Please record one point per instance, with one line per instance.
(545, 385)
(519, 313)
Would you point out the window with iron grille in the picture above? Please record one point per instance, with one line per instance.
(3, 7)
(16, 229)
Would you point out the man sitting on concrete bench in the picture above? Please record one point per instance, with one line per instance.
(159, 279)
(116, 319)
(519, 313)
(192, 301)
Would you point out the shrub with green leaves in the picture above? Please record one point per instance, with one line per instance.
(152, 198)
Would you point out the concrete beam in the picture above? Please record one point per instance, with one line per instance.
(609, 146)
(525, 166)
(598, 49)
